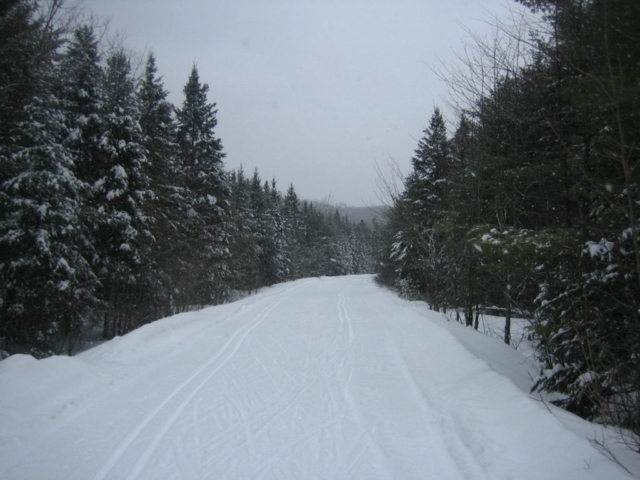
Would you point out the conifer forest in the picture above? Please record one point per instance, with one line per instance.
(116, 208)
(530, 207)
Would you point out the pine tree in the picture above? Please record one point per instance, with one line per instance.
(48, 286)
(426, 186)
(159, 138)
(25, 49)
(339, 249)
(315, 236)
(294, 230)
(157, 124)
(589, 299)
(205, 274)
(364, 246)
(48, 283)
(119, 191)
(539, 205)
(417, 246)
(83, 94)
(462, 213)
(244, 246)
(274, 258)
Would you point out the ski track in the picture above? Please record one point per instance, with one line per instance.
(454, 445)
(228, 350)
(367, 435)
(319, 379)
(344, 318)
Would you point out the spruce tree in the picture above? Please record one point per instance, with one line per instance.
(294, 230)
(48, 286)
(204, 247)
(159, 138)
(417, 246)
(274, 258)
(245, 248)
(119, 192)
(82, 89)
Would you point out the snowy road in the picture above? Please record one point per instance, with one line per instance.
(315, 379)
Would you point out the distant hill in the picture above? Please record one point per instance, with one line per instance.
(355, 214)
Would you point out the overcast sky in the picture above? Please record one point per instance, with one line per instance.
(311, 92)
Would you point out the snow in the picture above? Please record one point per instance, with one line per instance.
(118, 170)
(586, 378)
(325, 378)
(600, 249)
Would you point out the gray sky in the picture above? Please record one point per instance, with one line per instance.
(312, 92)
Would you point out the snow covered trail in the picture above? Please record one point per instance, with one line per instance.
(330, 378)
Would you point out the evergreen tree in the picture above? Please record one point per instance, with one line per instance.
(274, 258)
(157, 124)
(314, 238)
(363, 249)
(119, 191)
(159, 138)
(26, 50)
(294, 230)
(204, 245)
(589, 300)
(339, 250)
(466, 284)
(418, 245)
(244, 246)
(540, 204)
(48, 285)
(82, 90)
(426, 186)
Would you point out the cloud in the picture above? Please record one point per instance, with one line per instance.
(311, 92)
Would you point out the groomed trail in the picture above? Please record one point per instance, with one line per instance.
(326, 378)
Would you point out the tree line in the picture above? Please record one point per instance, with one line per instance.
(530, 205)
(115, 206)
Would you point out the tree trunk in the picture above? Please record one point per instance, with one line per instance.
(475, 326)
(507, 325)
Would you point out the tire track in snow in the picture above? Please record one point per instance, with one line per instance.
(225, 354)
